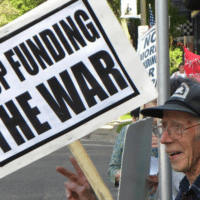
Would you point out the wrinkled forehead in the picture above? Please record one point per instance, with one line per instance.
(179, 117)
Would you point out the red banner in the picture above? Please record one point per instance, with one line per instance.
(192, 64)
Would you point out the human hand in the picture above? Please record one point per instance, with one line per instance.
(179, 44)
(152, 183)
(118, 176)
(154, 141)
(78, 188)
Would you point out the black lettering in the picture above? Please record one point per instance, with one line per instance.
(144, 63)
(14, 64)
(48, 35)
(154, 82)
(11, 123)
(31, 113)
(152, 50)
(30, 59)
(150, 61)
(142, 56)
(151, 72)
(3, 144)
(82, 74)
(153, 37)
(39, 52)
(72, 33)
(146, 53)
(59, 105)
(3, 72)
(97, 61)
(153, 59)
(62, 39)
(93, 34)
(31, 71)
(147, 41)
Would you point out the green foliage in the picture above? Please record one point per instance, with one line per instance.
(176, 19)
(7, 12)
(115, 6)
(11, 9)
(126, 116)
(176, 57)
(122, 125)
(25, 5)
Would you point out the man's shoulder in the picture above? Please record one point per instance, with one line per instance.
(197, 183)
(175, 74)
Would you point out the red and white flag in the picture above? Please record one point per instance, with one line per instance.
(192, 64)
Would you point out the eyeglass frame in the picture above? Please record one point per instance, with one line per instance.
(155, 131)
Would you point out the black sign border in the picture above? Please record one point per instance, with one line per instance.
(90, 10)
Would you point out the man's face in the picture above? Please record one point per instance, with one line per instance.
(181, 69)
(184, 153)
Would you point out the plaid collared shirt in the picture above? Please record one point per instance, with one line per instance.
(187, 192)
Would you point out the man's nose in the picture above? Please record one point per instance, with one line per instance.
(166, 137)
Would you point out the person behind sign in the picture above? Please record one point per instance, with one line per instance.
(181, 71)
(180, 133)
(114, 170)
(78, 188)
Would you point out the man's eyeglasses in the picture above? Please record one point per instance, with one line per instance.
(175, 132)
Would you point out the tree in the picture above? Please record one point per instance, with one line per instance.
(11, 9)
(176, 57)
(7, 12)
(25, 5)
(115, 6)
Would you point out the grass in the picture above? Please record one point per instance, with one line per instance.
(122, 125)
(126, 116)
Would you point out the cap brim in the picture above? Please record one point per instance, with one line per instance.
(159, 110)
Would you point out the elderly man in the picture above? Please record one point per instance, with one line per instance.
(180, 133)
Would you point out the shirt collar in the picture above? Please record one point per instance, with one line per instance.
(185, 186)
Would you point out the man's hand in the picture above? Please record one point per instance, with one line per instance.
(152, 183)
(78, 188)
(117, 177)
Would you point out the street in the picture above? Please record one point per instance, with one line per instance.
(40, 181)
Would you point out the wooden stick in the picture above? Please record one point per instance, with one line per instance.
(90, 171)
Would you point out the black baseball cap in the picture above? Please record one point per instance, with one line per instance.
(186, 99)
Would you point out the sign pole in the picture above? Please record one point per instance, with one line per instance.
(90, 171)
(143, 12)
(162, 28)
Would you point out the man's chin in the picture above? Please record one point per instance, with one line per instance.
(177, 168)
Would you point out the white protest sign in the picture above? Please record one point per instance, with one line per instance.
(147, 53)
(136, 160)
(67, 68)
(129, 9)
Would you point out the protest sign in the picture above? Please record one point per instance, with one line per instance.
(129, 9)
(136, 160)
(147, 53)
(64, 73)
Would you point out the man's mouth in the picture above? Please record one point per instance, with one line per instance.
(173, 154)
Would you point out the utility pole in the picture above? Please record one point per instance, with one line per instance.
(143, 12)
(162, 60)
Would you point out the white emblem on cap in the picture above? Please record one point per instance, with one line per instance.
(182, 91)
